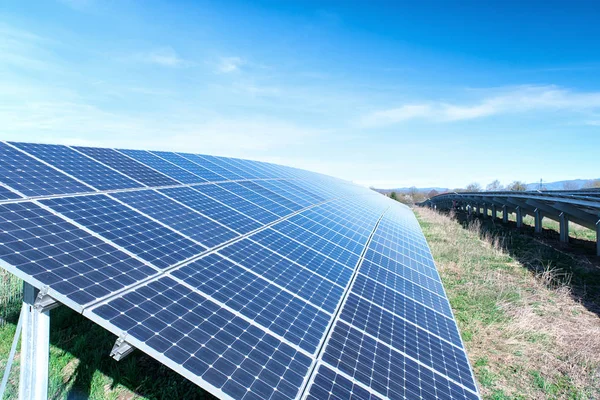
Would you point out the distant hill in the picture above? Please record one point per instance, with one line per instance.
(574, 184)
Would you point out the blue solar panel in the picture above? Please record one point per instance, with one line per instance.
(183, 219)
(189, 166)
(212, 343)
(7, 194)
(128, 166)
(138, 234)
(255, 198)
(286, 273)
(268, 305)
(271, 196)
(304, 255)
(238, 203)
(386, 370)
(216, 168)
(163, 166)
(81, 167)
(334, 386)
(33, 178)
(252, 280)
(408, 338)
(57, 253)
(217, 211)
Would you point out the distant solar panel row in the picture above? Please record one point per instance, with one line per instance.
(255, 281)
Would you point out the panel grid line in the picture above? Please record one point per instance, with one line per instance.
(336, 316)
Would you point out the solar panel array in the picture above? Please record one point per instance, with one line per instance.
(253, 280)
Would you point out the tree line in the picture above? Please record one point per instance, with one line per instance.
(414, 195)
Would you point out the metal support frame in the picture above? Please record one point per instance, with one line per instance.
(485, 210)
(121, 348)
(519, 217)
(538, 220)
(494, 212)
(564, 228)
(505, 214)
(35, 345)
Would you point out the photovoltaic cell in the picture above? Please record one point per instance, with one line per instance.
(33, 178)
(219, 212)
(224, 350)
(57, 253)
(128, 166)
(177, 216)
(238, 203)
(140, 235)
(81, 167)
(7, 194)
(271, 195)
(271, 307)
(386, 370)
(333, 386)
(187, 165)
(256, 198)
(290, 275)
(408, 338)
(253, 280)
(304, 255)
(216, 168)
(406, 308)
(163, 166)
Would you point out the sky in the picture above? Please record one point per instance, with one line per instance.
(383, 93)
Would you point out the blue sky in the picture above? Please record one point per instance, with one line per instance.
(429, 93)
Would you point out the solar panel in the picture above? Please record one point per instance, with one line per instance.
(253, 280)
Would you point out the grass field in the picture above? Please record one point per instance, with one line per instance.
(528, 313)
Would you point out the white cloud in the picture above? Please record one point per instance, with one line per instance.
(505, 101)
(164, 56)
(229, 64)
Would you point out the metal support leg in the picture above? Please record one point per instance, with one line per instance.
(505, 214)
(564, 228)
(35, 348)
(485, 211)
(519, 217)
(538, 221)
(494, 212)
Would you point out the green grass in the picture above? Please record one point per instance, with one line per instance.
(80, 366)
(530, 330)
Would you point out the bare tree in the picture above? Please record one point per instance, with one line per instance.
(595, 184)
(494, 186)
(473, 187)
(517, 186)
(569, 185)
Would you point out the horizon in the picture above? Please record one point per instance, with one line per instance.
(387, 95)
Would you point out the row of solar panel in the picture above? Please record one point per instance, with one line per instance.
(41, 170)
(284, 282)
(390, 323)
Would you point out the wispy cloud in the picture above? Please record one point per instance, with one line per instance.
(24, 49)
(229, 64)
(163, 56)
(505, 101)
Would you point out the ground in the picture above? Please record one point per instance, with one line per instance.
(527, 312)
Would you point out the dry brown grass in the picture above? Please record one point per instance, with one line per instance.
(525, 334)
